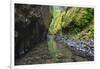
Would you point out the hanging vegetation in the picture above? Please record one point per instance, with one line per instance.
(73, 20)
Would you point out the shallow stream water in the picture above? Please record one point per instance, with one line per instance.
(49, 52)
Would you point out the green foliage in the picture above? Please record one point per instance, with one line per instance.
(56, 21)
(87, 32)
(70, 14)
(84, 17)
(76, 22)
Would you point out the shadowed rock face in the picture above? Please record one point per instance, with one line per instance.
(31, 25)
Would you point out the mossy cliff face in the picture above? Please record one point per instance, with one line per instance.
(74, 22)
(49, 34)
(34, 22)
(31, 26)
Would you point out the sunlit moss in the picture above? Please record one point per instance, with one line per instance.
(78, 22)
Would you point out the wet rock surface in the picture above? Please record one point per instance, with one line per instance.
(31, 25)
(82, 48)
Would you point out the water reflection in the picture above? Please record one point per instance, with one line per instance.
(59, 52)
(49, 51)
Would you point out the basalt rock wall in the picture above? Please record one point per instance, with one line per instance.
(31, 26)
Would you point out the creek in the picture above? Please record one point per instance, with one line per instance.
(53, 51)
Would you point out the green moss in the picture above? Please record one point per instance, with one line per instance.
(77, 23)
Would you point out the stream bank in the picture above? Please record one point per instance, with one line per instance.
(55, 51)
(42, 55)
